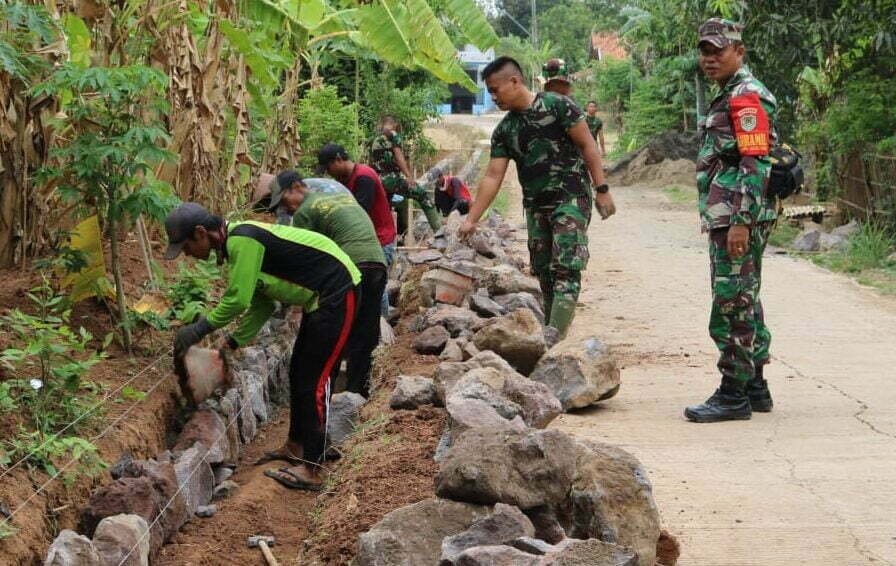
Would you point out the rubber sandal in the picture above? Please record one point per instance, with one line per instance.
(295, 483)
(276, 456)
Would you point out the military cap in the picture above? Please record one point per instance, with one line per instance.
(720, 32)
(556, 70)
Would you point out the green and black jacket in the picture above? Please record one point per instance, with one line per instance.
(269, 263)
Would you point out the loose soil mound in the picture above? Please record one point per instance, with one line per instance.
(667, 159)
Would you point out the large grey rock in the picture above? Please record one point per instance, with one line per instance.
(847, 230)
(412, 391)
(195, 478)
(449, 373)
(486, 307)
(207, 428)
(345, 409)
(387, 333)
(229, 407)
(504, 279)
(432, 340)
(537, 402)
(832, 242)
(612, 500)
(252, 386)
(72, 549)
(122, 540)
(412, 535)
(579, 372)
(505, 524)
(526, 469)
(454, 319)
(480, 242)
(424, 256)
(517, 337)
(592, 552)
(808, 240)
(476, 400)
(523, 300)
(496, 555)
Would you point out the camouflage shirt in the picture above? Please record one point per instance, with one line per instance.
(595, 124)
(733, 166)
(382, 159)
(549, 164)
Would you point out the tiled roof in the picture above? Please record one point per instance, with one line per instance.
(609, 45)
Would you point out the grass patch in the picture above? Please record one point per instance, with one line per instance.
(681, 195)
(783, 234)
(867, 258)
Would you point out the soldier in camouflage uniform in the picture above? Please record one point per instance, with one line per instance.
(733, 170)
(557, 77)
(545, 134)
(596, 126)
(387, 159)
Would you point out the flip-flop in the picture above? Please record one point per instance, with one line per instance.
(295, 483)
(276, 456)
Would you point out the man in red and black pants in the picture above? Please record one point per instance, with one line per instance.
(270, 263)
(451, 194)
(368, 189)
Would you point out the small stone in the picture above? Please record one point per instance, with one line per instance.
(412, 391)
(223, 473)
(531, 545)
(207, 511)
(452, 352)
(432, 340)
(485, 306)
(506, 523)
(345, 409)
(226, 489)
(72, 549)
(123, 540)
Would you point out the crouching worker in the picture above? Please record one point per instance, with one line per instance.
(451, 194)
(339, 217)
(268, 263)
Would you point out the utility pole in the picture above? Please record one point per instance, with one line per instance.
(534, 26)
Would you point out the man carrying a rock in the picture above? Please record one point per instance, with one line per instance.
(268, 263)
(733, 169)
(340, 218)
(546, 135)
(388, 160)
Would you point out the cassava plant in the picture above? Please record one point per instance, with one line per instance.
(113, 124)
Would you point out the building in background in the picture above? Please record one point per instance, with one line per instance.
(463, 101)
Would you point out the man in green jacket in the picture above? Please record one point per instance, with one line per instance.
(268, 263)
(339, 217)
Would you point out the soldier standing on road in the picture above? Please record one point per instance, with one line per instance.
(733, 170)
(596, 126)
(388, 160)
(545, 134)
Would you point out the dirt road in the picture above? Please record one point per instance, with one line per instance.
(811, 482)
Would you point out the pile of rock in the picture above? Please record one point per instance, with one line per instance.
(148, 501)
(509, 491)
(813, 238)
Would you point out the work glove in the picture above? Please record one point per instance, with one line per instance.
(189, 335)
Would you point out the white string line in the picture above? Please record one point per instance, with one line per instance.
(85, 414)
(105, 431)
(182, 484)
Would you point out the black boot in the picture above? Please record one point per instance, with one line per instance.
(728, 403)
(757, 391)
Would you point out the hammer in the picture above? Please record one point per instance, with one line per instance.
(264, 543)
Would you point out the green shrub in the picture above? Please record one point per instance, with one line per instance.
(325, 117)
(48, 361)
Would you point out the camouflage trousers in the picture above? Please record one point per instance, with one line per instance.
(396, 184)
(737, 322)
(558, 252)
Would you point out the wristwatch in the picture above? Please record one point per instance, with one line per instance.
(604, 188)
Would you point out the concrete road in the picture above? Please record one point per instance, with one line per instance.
(813, 482)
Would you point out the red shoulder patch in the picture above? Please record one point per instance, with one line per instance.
(751, 126)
